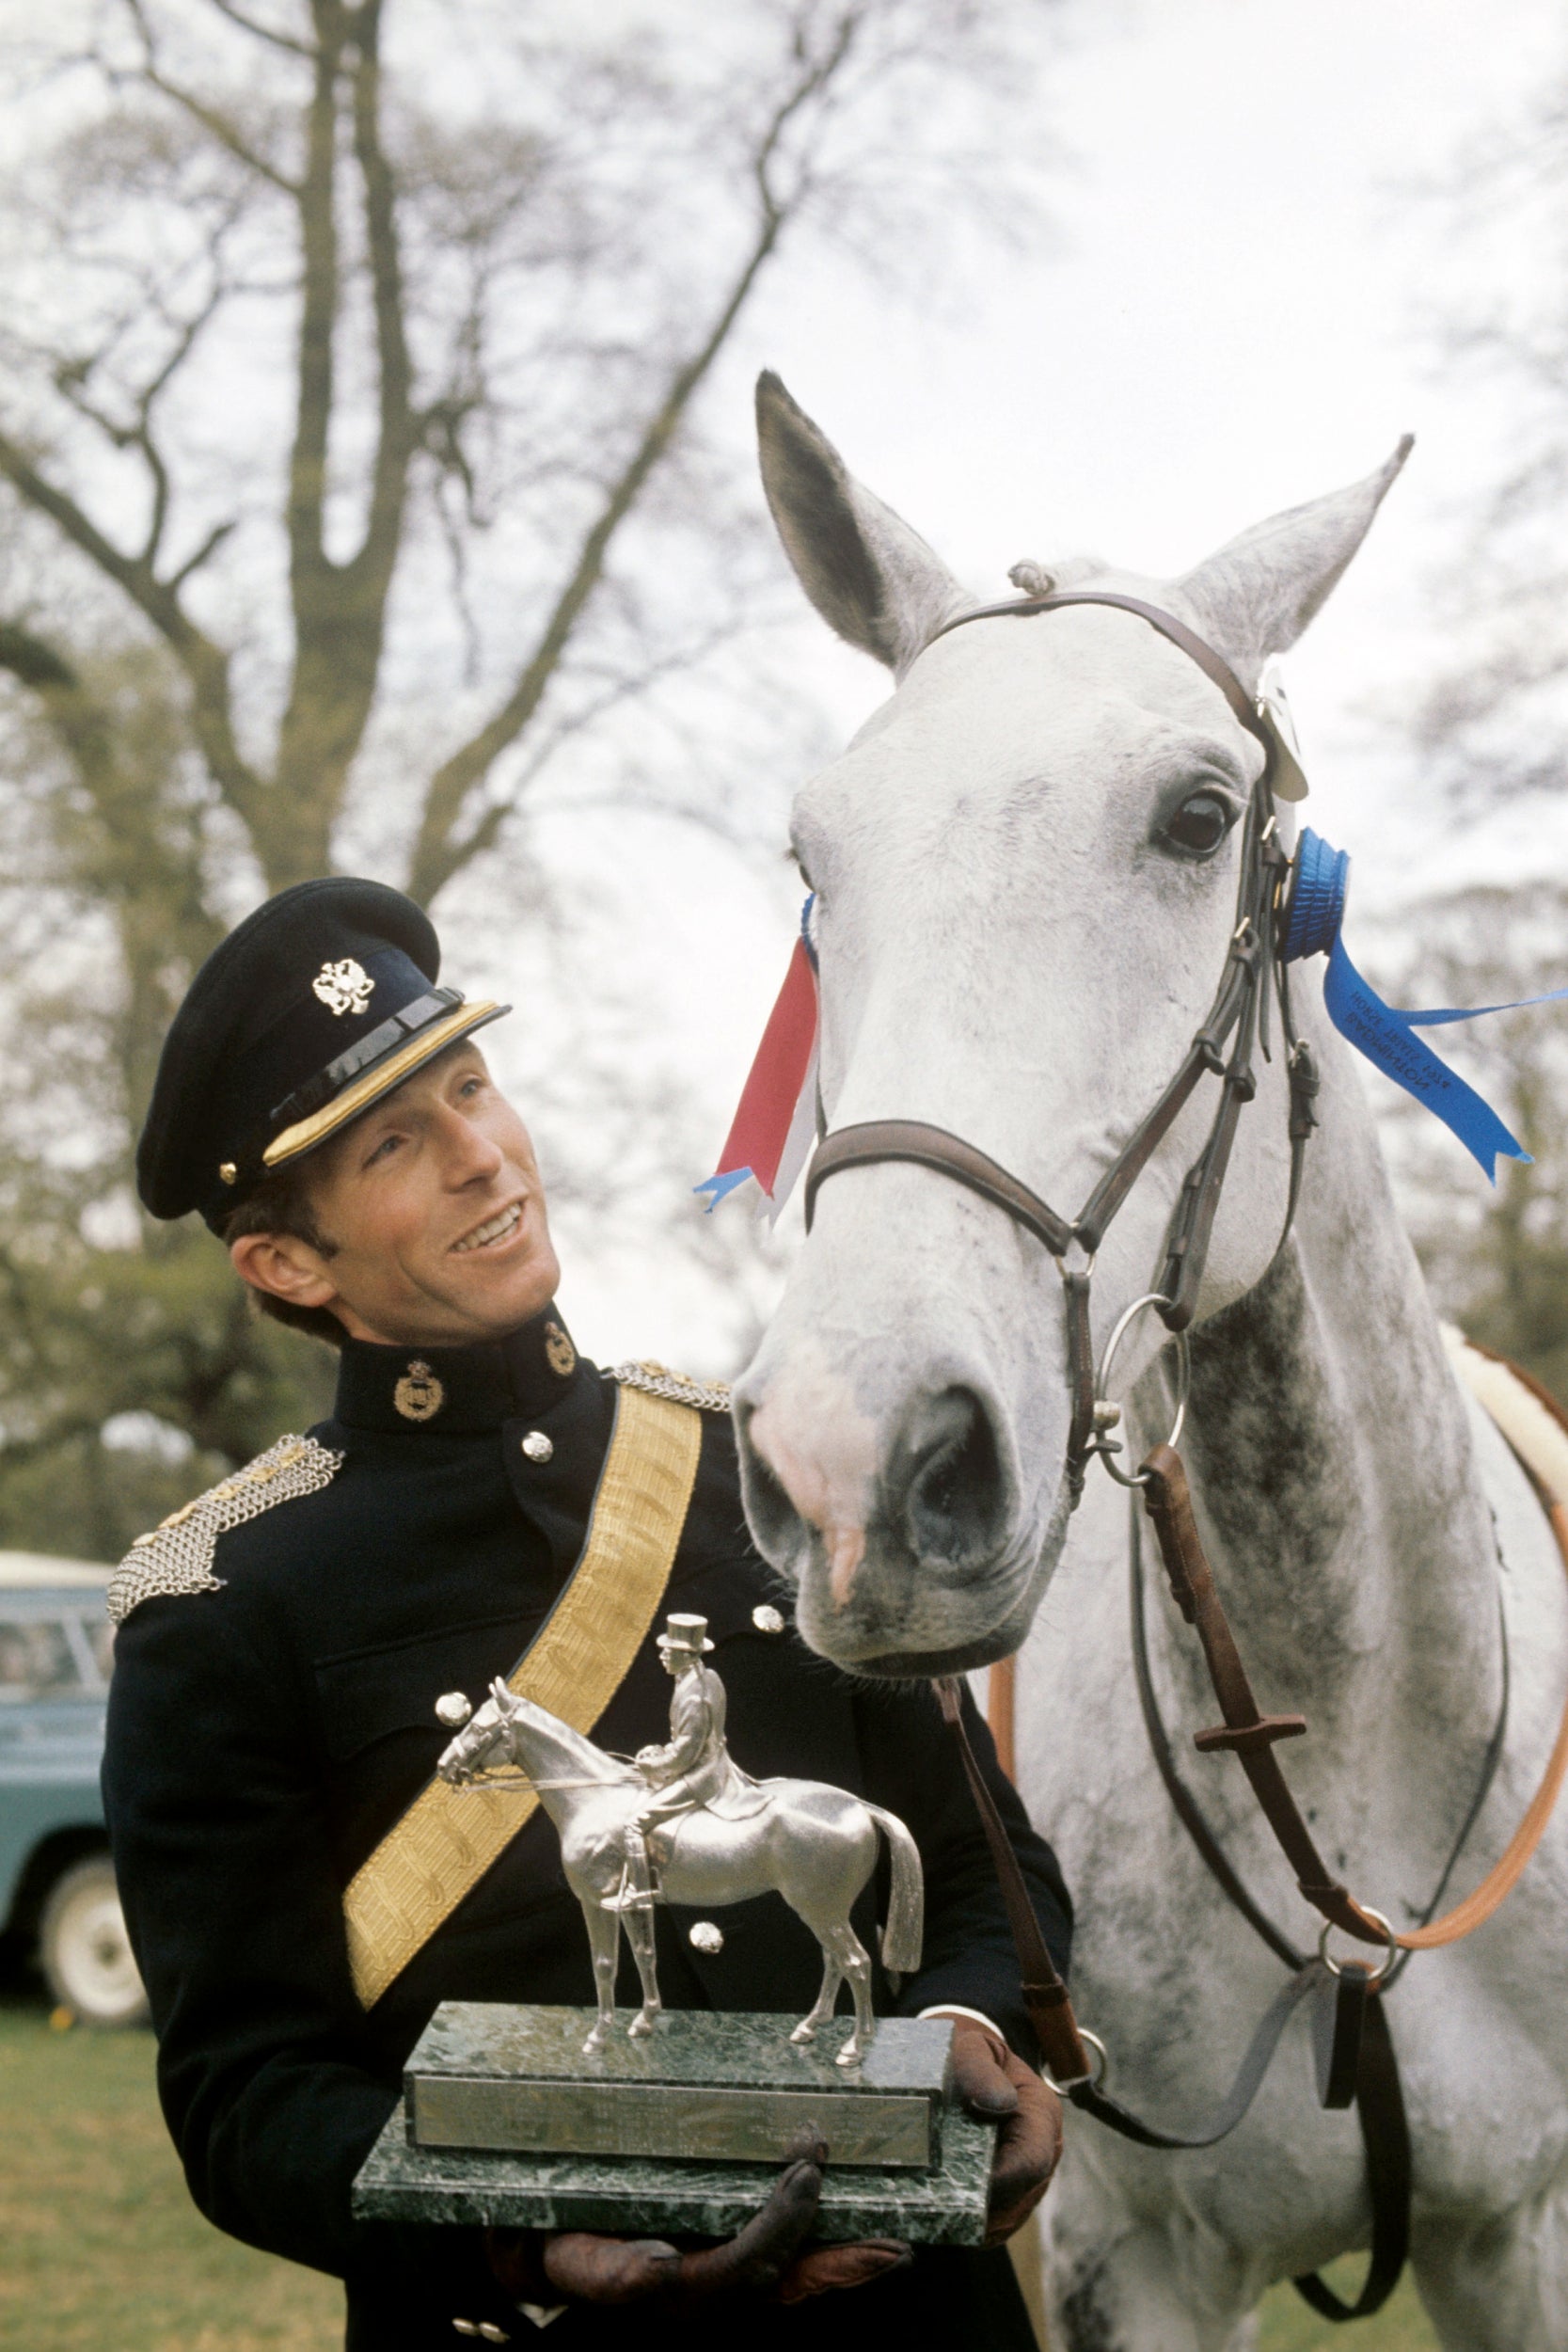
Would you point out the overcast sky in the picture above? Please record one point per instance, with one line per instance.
(1230, 315)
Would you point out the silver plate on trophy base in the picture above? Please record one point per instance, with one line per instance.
(705, 2086)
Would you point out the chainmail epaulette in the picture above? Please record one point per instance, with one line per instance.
(709, 1396)
(177, 1557)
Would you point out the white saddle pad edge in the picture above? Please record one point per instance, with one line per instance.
(1539, 1440)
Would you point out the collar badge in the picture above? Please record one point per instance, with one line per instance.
(561, 1355)
(343, 987)
(418, 1395)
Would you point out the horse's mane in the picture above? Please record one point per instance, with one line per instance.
(591, 1762)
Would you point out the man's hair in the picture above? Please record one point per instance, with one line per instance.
(281, 1203)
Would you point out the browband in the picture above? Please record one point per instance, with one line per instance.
(1214, 665)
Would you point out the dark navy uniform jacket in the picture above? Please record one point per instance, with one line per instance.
(263, 1737)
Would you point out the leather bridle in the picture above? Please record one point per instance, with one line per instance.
(1237, 1017)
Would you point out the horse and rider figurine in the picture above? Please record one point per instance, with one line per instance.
(682, 1823)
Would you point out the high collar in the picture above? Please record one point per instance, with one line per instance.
(459, 1391)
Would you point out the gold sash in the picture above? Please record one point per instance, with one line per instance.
(449, 1837)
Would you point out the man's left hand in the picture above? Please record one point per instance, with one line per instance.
(996, 2085)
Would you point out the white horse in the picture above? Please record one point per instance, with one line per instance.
(1026, 875)
(814, 1845)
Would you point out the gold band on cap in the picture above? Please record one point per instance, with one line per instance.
(376, 1082)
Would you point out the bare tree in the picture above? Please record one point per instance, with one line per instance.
(501, 317)
(1492, 722)
(354, 482)
(1496, 1259)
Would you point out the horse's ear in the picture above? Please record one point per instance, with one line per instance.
(872, 579)
(1255, 595)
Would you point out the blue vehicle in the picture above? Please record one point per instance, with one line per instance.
(57, 1884)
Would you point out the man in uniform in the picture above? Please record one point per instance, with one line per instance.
(482, 1501)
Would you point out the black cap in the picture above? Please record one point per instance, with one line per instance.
(319, 1004)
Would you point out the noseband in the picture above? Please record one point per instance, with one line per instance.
(1238, 1018)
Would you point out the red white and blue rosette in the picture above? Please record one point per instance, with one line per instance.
(773, 1129)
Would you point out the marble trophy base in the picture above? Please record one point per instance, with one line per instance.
(504, 2121)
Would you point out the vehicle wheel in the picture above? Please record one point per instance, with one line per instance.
(85, 1948)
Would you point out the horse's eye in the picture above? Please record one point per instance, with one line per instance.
(1199, 825)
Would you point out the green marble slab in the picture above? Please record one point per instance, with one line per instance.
(705, 2086)
(665, 2196)
(484, 2052)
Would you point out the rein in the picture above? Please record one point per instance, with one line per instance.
(1355, 2056)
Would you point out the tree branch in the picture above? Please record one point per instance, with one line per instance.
(398, 428)
(439, 852)
(205, 664)
(316, 198)
(340, 608)
(262, 32)
(217, 125)
(33, 663)
(208, 549)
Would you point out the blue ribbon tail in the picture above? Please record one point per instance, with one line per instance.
(722, 1186)
(1388, 1040)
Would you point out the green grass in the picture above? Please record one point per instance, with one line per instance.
(104, 2248)
(1401, 2326)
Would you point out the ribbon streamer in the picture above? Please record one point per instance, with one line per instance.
(1383, 1033)
(772, 1132)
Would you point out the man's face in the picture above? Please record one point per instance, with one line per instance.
(434, 1202)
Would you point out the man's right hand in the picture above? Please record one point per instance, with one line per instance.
(769, 2255)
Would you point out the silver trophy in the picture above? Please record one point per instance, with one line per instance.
(682, 1823)
(511, 2116)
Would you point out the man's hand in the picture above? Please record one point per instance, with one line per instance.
(1000, 2089)
(578, 2266)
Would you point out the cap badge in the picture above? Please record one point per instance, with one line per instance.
(561, 1355)
(343, 987)
(418, 1395)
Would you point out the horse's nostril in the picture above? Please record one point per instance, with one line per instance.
(954, 1488)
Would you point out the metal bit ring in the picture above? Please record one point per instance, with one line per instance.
(1095, 2078)
(1111, 1412)
(1336, 1967)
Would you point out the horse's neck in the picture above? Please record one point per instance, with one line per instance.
(1333, 1471)
(550, 1750)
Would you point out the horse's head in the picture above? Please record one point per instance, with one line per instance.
(465, 1756)
(1026, 874)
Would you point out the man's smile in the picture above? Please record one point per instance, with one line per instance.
(496, 1228)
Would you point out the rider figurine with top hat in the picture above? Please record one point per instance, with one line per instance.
(694, 1767)
(480, 1502)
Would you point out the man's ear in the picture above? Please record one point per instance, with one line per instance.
(284, 1267)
